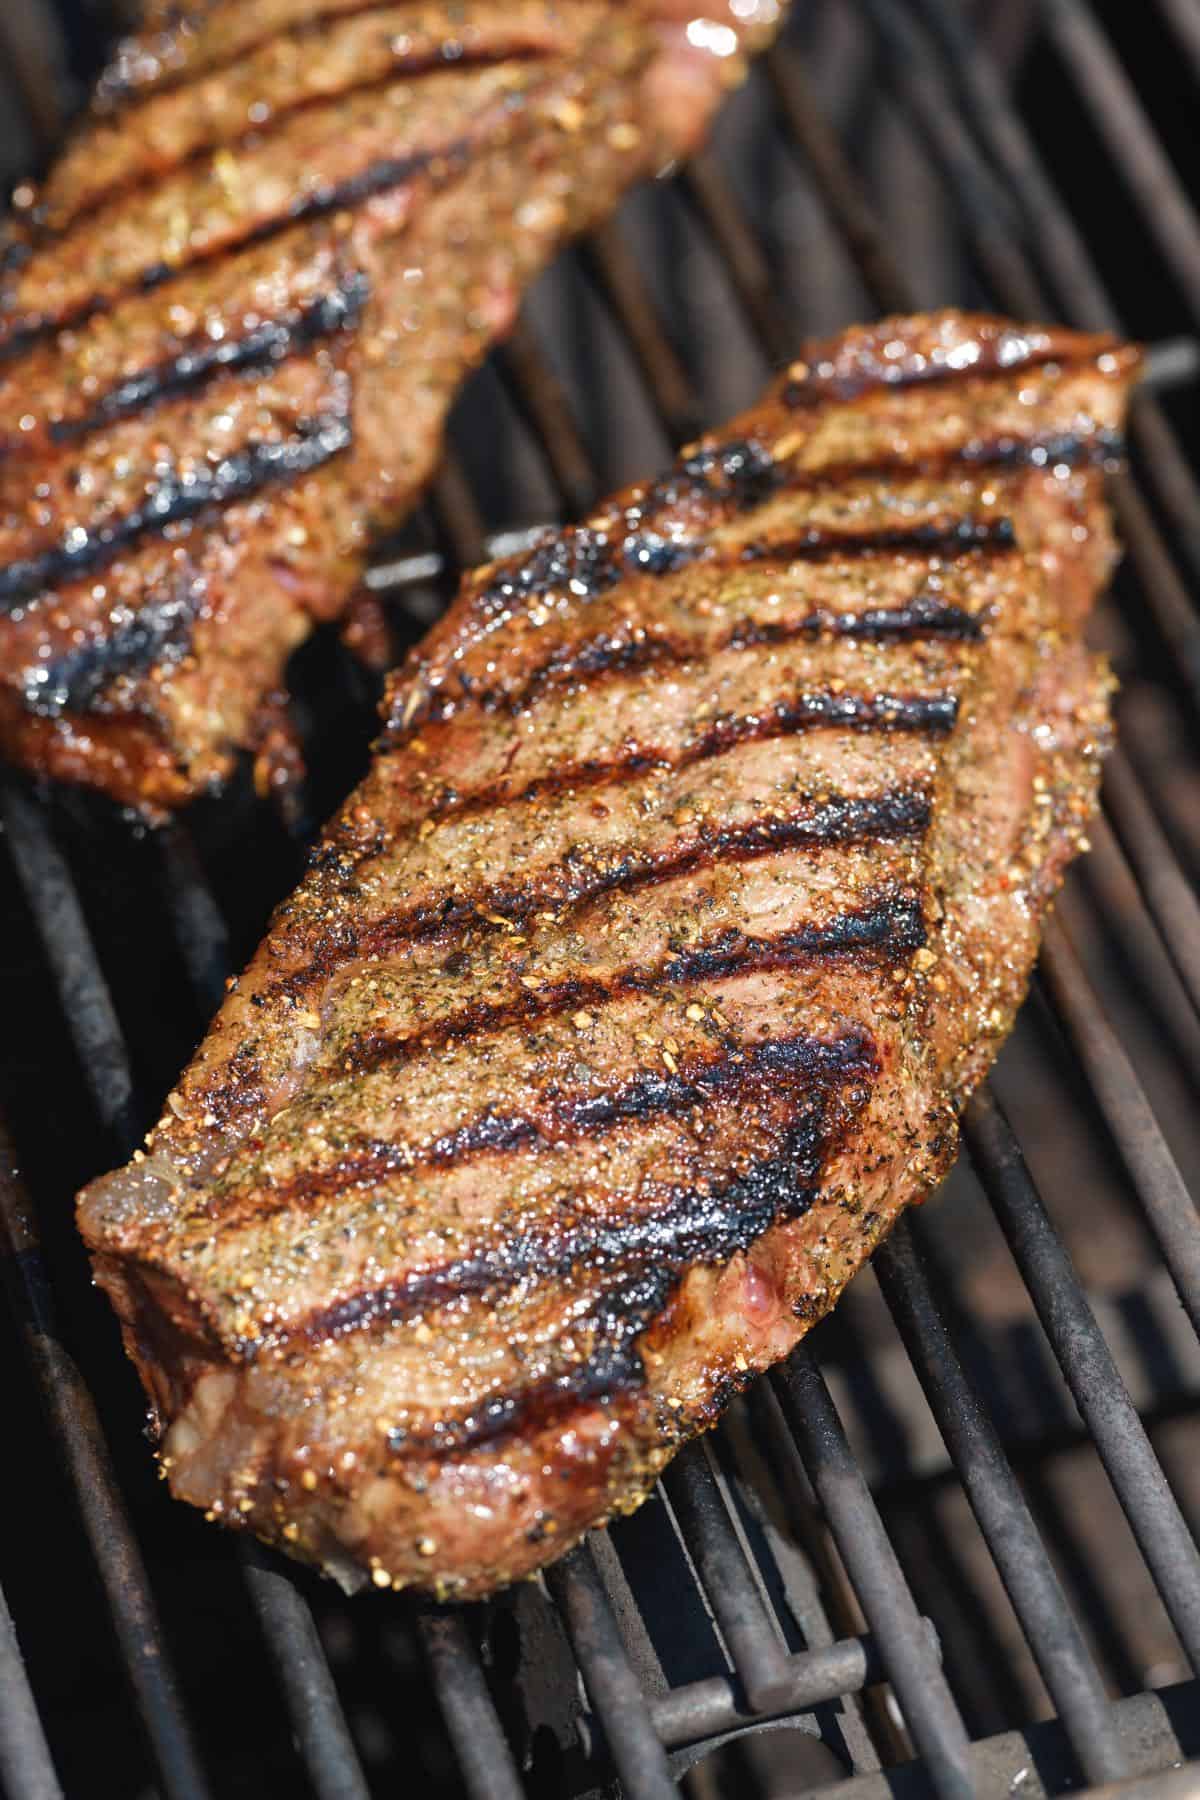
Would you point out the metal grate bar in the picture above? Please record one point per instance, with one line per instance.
(26, 1766)
(608, 1675)
(316, 1712)
(980, 196)
(754, 1644)
(1118, 902)
(925, 1699)
(914, 68)
(608, 256)
(1169, 895)
(285, 1617)
(1121, 120)
(24, 46)
(1004, 1518)
(706, 187)
(1060, 249)
(1128, 1114)
(200, 931)
(79, 1439)
(1092, 1375)
(703, 1709)
(835, 182)
(1165, 593)
(50, 893)
(542, 399)
(475, 1730)
(1185, 23)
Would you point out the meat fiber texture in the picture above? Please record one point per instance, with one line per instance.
(695, 883)
(233, 320)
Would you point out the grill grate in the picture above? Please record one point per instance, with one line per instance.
(786, 1625)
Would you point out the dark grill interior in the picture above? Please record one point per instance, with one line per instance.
(949, 1548)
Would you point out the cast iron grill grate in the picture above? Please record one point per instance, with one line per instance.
(770, 1590)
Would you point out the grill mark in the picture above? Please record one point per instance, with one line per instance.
(932, 715)
(117, 93)
(175, 499)
(587, 561)
(956, 537)
(564, 1117)
(693, 1229)
(890, 923)
(158, 635)
(383, 175)
(739, 470)
(896, 813)
(816, 390)
(401, 70)
(611, 1370)
(552, 1250)
(1099, 449)
(922, 618)
(269, 342)
(377, 178)
(743, 473)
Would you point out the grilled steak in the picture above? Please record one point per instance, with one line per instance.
(233, 320)
(694, 885)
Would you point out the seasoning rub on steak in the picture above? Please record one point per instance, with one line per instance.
(695, 883)
(234, 317)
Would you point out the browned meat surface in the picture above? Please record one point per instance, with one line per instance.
(235, 315)
(696, 881)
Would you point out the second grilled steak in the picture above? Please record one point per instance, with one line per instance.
(695, 883)
(234, 318)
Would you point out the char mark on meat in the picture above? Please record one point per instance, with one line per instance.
(175, 498)
(262, 345)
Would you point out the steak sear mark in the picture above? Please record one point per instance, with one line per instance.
(269, 342)
(176, 498)
(689, 1227)
(891, 923)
